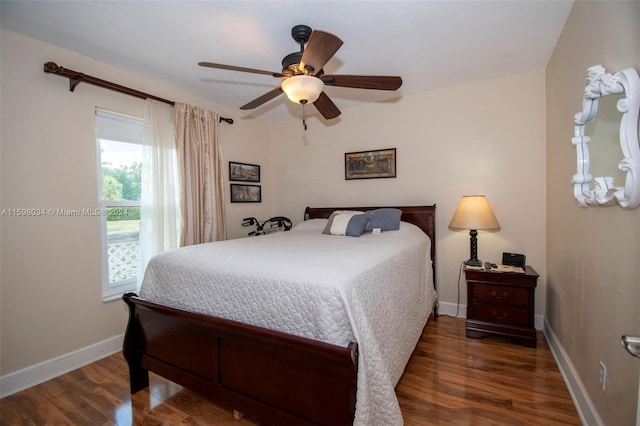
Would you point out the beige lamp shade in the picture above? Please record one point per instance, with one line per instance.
(474, 212)
(302, 88)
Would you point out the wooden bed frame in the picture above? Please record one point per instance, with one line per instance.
(274, 377)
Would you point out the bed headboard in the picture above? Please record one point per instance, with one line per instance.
(424, 217)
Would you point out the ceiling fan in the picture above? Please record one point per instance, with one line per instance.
(303, 78)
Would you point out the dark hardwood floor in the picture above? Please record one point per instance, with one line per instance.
(450, 380)
(454, 380)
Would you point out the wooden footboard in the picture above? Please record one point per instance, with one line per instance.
(274, 377)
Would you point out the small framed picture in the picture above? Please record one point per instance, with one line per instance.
(246, 193)
(244, 172)
(380, 163)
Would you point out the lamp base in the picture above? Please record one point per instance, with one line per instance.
(473, 249)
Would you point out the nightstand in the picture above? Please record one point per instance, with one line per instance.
(501, 303)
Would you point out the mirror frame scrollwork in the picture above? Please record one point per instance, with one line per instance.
(601, 191)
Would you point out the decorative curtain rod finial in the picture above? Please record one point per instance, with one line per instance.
(51, 67)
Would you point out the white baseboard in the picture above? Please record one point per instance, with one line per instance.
(586, 410)
(39, 373)
(452, 309)
(460, 311)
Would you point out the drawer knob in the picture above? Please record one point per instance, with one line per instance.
(504, 294)
(499, 317)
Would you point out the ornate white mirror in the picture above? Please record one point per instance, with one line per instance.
(607, 190)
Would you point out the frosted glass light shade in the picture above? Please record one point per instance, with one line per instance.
(302, 88)
(474, 212)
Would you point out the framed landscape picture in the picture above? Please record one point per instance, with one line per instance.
(244, 172)
(380, 163)
(246, 193)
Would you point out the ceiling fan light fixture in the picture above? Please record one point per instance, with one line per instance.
(301, 88)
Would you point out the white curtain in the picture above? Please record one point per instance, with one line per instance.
(201, 174)
(160, 198)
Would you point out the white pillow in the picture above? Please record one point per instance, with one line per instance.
(311, 225)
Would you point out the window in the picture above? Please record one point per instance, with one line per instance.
(120, 154)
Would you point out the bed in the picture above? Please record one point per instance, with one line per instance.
(318, 365)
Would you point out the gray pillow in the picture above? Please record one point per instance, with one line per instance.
(356, 225)
(386, 219)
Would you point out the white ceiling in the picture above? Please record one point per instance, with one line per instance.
(430, 44)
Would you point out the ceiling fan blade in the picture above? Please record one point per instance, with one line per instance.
(243, 69)
(379, 82)
(320, 48)
(262, 99)
(327, 108)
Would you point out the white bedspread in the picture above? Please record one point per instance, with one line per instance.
(376, 290)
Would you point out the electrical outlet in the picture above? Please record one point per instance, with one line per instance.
(603, 375)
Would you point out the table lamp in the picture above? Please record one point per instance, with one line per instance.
(474, 213)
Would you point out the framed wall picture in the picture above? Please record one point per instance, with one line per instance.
(380, 163)
(246, 193)
(244, 172)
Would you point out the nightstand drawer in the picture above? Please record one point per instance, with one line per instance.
(501, 314)
(500, 295)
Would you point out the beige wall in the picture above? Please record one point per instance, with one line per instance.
(50, 266)
(593, 287)
(481, 138)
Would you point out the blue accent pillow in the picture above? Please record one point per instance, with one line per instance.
(387, 219)
(356, 225)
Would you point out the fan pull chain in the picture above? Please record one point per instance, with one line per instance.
(304, 113)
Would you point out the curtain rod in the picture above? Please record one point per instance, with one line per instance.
(76, 78)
